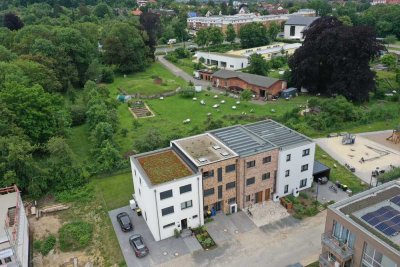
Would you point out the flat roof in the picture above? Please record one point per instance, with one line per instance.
(204, 149)
(375, 211)
(319, 167)
(242, 141)
(277, 134)
(7, 201)
(163, 166)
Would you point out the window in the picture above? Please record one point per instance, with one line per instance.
(248, 198)
(7, 260)
(230, 185)
(219, 191)
(286, 189)
(208, 174)
(306, 152)
(267, 160)
(232, 200)
(230, 168)
(266, 176)
(303, 183)
(373, 258)
(292, 30)
(343, 234)
(250, 181)
(185, 188)
(145, 216)
(169, 225)
(140, 181)
(219, 171)
(208, 192)
(287, 173)
(140, 193)
(288, 157)
(251, 164)
(195, 216)
(166, 194)
(167, 211)
(186, 204)
(304, 167)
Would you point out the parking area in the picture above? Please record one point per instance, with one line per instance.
(326, 194)
(160, 252)
(267, 212)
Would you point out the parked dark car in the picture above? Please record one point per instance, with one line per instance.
(138, 245)
(125, 222)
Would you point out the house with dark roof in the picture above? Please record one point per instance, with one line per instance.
(295, 26)
(261, 86)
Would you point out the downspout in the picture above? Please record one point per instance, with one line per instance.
(158, 219)
(198, 192)
(244, 183)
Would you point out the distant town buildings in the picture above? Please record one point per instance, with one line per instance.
(238, 20)
(221, 170)
(385, 2)
(14, 233)
(364, 230)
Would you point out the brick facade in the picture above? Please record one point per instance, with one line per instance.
(212, 182)
(260, 186)
(259, 91)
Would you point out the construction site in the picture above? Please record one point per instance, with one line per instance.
(365, 154)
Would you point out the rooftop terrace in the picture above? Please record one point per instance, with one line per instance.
(204, 149)
(163, 166)
(377, 211)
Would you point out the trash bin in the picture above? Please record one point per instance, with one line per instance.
(338, 184)
(344, 187)
(139, 212)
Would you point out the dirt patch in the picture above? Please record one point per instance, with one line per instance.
(44, 226)
(381, 138)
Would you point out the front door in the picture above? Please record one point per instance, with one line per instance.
(218, 206)
(184, 224)
(267, 194)
(259, 197)
(262, 93)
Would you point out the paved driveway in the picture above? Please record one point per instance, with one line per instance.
(160, 252)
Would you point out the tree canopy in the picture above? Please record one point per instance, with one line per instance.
(253, 34)
(334, 59)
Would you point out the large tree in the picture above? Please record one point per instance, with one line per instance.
(152, 25)
(253, 34)
(334, 59)
(258, 65)
(12, 22)
(230, 33)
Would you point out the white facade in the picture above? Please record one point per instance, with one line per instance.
(292, 176)
(294, 32)
(151, 203)
(223, 61)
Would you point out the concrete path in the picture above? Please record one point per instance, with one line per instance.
(179, 72)
(286, 243)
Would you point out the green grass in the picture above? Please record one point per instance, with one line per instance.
(340, 173)
(79, 141)
(186, 64)
(143, 83)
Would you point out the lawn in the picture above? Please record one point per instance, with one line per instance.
(79, 141)
(186, 64)
(143, 82)
(340, 173)
(116, 190)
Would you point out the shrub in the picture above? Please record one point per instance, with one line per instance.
(177, 233)
(107, 75)
(44, 246)
(124, 132)
(75, 235)
(78, 114)
(171, 57)
(79, 194)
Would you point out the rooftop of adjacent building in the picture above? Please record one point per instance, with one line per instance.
(300, 20)
(376, 212)
(204, 149)
(8, 202)
(249, 78)
(163, 165)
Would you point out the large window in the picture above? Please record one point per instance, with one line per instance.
(250, 181)
(167, 211)
(208, 192)
(304, 167)
(373, 258)
(292, 30)
(306, 152)
(186, 204)
(209, 173)
(266, 176)
(230, 168)
(303, 183)
(230, 185)
(343, 235)
(185, 188)
(166, 194)
(286, 189)
(267, 159)
(251, 164)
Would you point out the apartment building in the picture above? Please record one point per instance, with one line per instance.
(14, 232)
(364, 230)
(168, 191)
(217, 165)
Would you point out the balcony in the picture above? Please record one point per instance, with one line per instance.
(325, 261)
(342, 251)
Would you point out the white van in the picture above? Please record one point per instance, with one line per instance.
(171, 41)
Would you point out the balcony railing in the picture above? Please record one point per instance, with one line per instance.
(325, 261)
(340, 250)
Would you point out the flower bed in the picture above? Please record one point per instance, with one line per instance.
(204, 237)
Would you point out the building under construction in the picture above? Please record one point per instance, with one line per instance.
(14, 233)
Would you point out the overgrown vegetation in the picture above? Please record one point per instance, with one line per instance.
(204, 237)
(302, 206)
(390, 175)
(46, 245)
(75, 235)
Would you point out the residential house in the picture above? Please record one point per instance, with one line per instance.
(261, 86)
(14, 229)
(296, 25)
(363, 230)
(167, 192)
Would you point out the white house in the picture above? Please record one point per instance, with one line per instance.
(295, 26)
(223, 61)
(168, 191)
(296, 157)
(14, 233)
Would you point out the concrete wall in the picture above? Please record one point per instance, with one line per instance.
(294, 166)
(298, 34)
(149, 201)
(260, 185)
